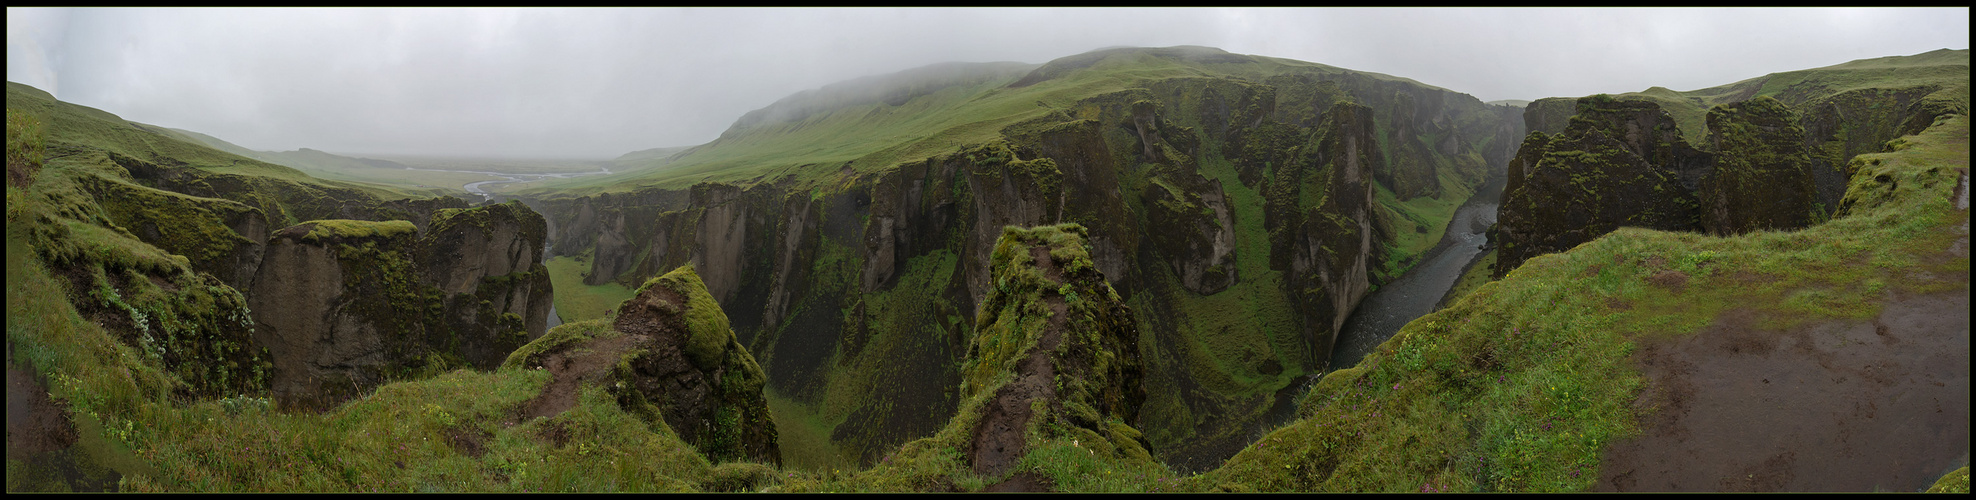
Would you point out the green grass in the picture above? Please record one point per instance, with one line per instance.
(1419, 223)
(804, 437)
(576, 301)
(95, 129)
(1474, 278)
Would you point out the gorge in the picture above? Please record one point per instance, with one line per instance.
(1133, 269)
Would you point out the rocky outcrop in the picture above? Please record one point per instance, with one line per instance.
(1329, 249)
(1054, 355)
(1624, 163)
(1007, 190)
(1404, 174)
(1619, 163)
(1197, 227)
(344, 305)
(1549, 115)
(670, 357)
(1763, 179)
(487, 263)
(324, 308)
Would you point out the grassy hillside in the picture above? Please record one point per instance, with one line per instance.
(76, 128)
(847, 126)
(1524, 384)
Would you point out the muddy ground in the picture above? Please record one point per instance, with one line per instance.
(1880, 405)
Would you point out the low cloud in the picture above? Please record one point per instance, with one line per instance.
(595, 83)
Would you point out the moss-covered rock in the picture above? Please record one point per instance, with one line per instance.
(1055, 354)
(687, 365)
(1619, 163)
(220, 237)
(487, 262)
(1549, 115)
(1763, 177)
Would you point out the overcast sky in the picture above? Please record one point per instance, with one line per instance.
(596, 83)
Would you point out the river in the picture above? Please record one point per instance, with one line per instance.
(476, 187)
(1417, 292)
(1412, 295)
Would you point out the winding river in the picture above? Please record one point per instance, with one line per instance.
(1416, 293)
(1412, 295)
(505, 178)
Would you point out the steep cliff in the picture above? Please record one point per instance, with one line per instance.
(1763, 179)
(1054, 354)
(344, 305)
(1619, 163)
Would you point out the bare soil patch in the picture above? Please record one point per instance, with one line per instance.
(570, 368)
(1879, 405)
(41, 437)
(1671, 280)
(35, 422)
(469, 440)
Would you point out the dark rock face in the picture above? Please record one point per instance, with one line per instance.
(324, 310)
(1328, 249)
(1619, 163)
(343, 306)
(1764, 177)
(1409, 183)
(487, 263)
(1197, 227)
(1624, 163)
